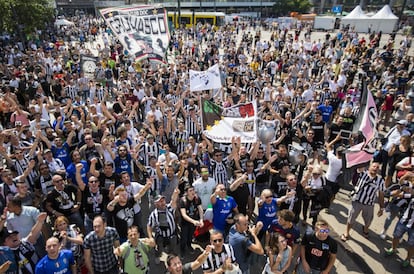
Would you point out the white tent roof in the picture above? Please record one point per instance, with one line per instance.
(385, 13)
(63, 22)
(356, 13)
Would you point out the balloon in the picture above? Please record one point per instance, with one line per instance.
(266, 133)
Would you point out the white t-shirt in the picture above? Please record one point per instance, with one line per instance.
(204, 189)
(334, 167)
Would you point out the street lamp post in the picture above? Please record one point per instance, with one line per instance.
(179, 13)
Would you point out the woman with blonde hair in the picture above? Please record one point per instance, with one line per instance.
(69, 237)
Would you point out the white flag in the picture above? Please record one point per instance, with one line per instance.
(142, 30)
(205, 80)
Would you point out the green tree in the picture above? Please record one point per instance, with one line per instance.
(284, 7)
(24, 14)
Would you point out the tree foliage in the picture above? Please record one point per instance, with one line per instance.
(28, 14)
(285, 7)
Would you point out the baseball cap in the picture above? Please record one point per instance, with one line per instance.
(402, 122)
(158, 198)
(6, 233)
(46, 151)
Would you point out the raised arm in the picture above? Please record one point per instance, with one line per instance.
(201, 258)
(144, 189)
(174, 198)
(35, 232)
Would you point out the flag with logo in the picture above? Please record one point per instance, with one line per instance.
(221, 124)
(205, 80)
(88, 65)
(142, 30)
(364, 152)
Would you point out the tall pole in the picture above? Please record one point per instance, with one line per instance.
(179, 13)
(261, 10)
(401, 14)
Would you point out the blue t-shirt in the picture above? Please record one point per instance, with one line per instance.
(60, 265)
(71, 172)
(267, 213)
(62, 154)
(326, 112)
(221, 210)
(240, 243)
(123, 165)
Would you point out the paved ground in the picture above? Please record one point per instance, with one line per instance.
(358, 254)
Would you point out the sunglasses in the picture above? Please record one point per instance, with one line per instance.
(268, 197)
(217, 240)
(324, 230)
(94, 181)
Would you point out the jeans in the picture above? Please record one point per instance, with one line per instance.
(187, 231)
(392, 212)
(167, 244)
(300, 270)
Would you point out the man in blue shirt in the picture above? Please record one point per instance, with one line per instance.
(327, 111)
(244, 240)
(56, 260)
(223, 206)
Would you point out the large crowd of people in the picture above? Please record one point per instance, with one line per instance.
(79, 155)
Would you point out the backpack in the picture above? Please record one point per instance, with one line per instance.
(108, 74)
(141, 248)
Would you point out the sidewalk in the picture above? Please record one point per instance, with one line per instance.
(367, 254)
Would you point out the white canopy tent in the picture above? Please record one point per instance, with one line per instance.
(63, 22)
(384, 20)
(356, 19)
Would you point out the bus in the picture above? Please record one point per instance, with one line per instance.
(213, 18)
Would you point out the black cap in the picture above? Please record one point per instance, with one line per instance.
(6, 233)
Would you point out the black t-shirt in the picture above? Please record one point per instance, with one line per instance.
(191, 208)
(334, 131)
(124, 217)
(240, 195)
(348, 122)
(63, 202)
(106, 181)
(278, 185)
(317, 252)
(280, 162)
(94, 203)
(319, 129)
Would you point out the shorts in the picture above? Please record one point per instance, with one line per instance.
(357, 208)
(399, 231)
